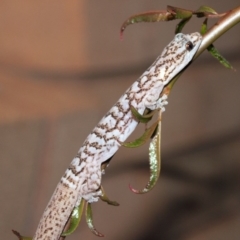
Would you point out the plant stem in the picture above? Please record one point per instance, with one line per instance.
(217, 30)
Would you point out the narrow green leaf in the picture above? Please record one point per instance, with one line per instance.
(140, 141)
(75, 218)
(21, 237)
(154, 161)
(167, 89)
(180, 13)
(141, 118)
(205, 11)
(183, 14)
(214, 52)
(89, 220)
(204, 27)
(181, 25)
(172, 13)
(106, 199)
(155, 16)
(155, 132)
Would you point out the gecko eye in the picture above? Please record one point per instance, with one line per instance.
(189, 46)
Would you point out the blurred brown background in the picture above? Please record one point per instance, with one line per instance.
(62, 66)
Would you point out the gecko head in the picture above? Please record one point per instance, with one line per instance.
(178, 53)
(187, 45)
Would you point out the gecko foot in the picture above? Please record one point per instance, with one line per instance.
(159, 104)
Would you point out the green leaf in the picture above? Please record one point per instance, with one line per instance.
(183, 14)
(21, 237)
(181, 25)
(205, 11)
(89, 220)
(154, 161)
(140, 141)
(106, 199)
(172, 13)
(167, 89)
(180, 13)
(204, 27)
(214, 52)
(75, 218)
(141, 118)
(155, 16)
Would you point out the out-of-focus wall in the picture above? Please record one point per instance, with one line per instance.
(62, 66)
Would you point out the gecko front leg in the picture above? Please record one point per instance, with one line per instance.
(158, 104)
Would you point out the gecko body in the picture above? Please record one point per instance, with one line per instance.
(83, 177)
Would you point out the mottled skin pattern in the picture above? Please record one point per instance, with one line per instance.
(83, 177)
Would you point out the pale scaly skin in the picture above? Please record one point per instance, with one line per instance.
(83, 177)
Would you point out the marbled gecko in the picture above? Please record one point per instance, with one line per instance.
(83, 177)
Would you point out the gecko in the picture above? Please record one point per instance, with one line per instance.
(82, 179)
